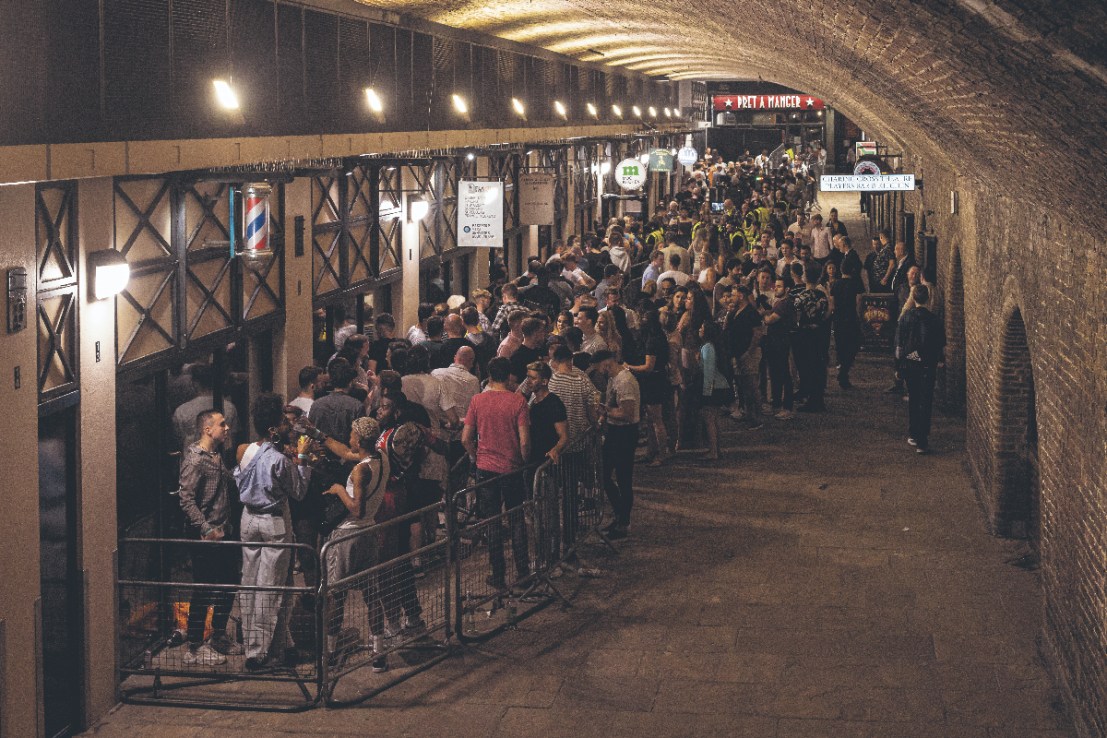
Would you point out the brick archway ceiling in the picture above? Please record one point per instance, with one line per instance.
(1014, 88)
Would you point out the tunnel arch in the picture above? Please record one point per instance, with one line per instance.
(1015, 434)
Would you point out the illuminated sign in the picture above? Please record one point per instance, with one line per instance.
(767, 102)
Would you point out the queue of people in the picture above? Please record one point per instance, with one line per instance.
(654, 332)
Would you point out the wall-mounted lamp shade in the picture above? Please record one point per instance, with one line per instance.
(560, 109)
(617, 111)
(518, 107)
(225, 94)
(592, 110)
(110, 273)
(374, 100)
(460, 105)
(417, 210)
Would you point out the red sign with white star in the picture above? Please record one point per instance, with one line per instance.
(767, 102)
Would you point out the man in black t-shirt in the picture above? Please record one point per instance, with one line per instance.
(533, 348)
(846, 293)
(549, 423)
(812, 309)
(378, 349)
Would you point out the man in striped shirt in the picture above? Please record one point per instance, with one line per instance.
(581, 400)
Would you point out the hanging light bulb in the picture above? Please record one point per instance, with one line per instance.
(374, 100)
(460, 105)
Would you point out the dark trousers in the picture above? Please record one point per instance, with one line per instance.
(571, 471)
(919, 377)
(507, 490)
(618, 462)
(780, 374)
(807, 348)
(211, 564)
(847, 342)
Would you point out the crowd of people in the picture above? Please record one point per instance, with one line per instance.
(723, 303)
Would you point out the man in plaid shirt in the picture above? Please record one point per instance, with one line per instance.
(510, 296)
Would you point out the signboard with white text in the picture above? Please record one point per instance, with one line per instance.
(688, 156)
(661, 160)
(536, 198)
(767, 102)
(867, 182)
(480, 214)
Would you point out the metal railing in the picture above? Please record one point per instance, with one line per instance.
(386, 607)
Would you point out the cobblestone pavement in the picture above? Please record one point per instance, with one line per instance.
(822, 580)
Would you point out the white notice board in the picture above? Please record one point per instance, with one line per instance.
(536, 198)
(480, 214)
(867, 182)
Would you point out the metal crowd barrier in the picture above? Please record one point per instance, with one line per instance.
(380, 600)
(393, 610)
(155, 662)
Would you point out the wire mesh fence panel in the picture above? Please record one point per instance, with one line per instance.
(385, 603)
(194, 632)
(499, 557)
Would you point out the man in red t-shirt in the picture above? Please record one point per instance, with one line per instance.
(497, 438)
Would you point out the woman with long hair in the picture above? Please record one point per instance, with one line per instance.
(653, 382)
(605, 326)
(696, 313)
(715, 390)
(563, 323)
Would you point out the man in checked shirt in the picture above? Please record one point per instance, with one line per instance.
(203, 495)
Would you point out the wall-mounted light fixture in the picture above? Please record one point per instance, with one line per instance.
(518, 107)
(592, 110)
(460, 105)
(636, 110)
(225, 95)
(617, 111)
(560, 109)
(652, 111)
(417, 209)
(374, 100)
(110, 273)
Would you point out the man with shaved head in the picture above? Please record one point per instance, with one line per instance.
(459, 386)
(455, 339)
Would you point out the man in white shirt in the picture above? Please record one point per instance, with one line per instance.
(683, 253)
(820, 239)
(417, 333)
(458, 387)
(675, 273)
(573, 274)
(309, 381)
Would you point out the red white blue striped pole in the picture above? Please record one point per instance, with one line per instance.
(255, 222)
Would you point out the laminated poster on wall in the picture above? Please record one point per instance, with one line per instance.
(480, 214)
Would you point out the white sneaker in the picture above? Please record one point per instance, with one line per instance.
(205, 655)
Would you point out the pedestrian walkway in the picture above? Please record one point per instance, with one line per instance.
(842, 587)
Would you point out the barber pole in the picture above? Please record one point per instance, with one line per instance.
(255, 223)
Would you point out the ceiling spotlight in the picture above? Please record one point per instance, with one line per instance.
(470, 156)
(559, 107)
(374, 100)
(652, 111)
(617, 111)
(592, 110)
(460, 105)
(225, 94)
(518, 106)
(636, 110)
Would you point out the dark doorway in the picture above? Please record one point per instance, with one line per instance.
(955, 375)
(61, 606)
(1017, 469)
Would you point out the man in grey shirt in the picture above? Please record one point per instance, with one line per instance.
(204, 483)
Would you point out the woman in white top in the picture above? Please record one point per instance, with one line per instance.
(352, 550)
